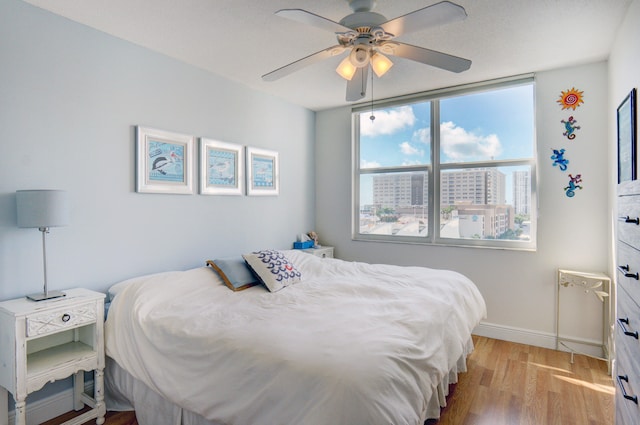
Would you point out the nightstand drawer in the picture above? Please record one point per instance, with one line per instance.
(322, 252)
(49, 322)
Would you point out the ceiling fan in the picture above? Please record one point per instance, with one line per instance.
(368, 35)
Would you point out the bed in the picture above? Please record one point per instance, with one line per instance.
(349, 343)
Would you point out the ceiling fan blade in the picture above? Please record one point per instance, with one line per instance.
(312, 19)
(357, 86)
(431, 16)
(302, 63)
(426, 56)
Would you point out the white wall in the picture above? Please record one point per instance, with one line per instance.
(70, 98)
(519, 287)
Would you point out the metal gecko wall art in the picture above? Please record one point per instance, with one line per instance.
(569, 99)
(570, 127)
(559, 160)
(570, 190)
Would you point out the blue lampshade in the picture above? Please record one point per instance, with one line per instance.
(42, 208)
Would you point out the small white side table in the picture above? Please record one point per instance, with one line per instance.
(599, 284)
(43, 341)
(322, 252)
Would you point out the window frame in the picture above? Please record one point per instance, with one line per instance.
(434, 168)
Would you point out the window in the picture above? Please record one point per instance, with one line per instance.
(453, 167)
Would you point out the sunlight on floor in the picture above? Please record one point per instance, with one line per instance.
(544, 366)
(595, 387)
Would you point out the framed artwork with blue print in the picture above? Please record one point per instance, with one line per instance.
(263, 173)
(221, 168)
(164, 161)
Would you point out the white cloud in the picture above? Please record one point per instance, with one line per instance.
(387, 121)
(414, 162)
(422, 135)
(460, 145)
(407, 149)
(369, 164)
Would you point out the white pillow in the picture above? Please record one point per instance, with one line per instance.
(273, 269)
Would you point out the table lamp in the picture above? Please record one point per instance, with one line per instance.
(43, 209)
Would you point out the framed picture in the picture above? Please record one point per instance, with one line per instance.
(163, 161)
(263, 175)
(221, 168)
(627, 138)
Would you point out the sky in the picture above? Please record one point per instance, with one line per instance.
(496, 124)
(474, 127)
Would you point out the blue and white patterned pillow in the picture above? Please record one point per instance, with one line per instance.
(273, 269)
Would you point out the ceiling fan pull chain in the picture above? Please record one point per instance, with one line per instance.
(372, 117)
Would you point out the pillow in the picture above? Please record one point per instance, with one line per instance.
(273, 269)
(234, 272)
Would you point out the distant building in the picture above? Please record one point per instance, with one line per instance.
(478, 186)
(522, 192)
(484, 221)
(400, 190)
(477, 196)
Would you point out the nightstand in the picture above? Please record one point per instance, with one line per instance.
(322, 252)
(48, 340)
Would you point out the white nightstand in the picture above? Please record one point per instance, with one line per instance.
(44, 341)
(322, 252)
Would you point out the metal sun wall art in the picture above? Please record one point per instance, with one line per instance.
(569, 99)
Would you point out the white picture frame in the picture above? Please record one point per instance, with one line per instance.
(263, 172)
(164, 162)
(221, 168)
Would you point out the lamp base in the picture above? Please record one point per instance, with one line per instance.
(49, 295)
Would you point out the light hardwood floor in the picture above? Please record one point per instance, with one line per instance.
(512, 384)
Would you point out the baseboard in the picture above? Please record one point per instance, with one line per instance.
(540, 339)
(50, 407)
(518, 335)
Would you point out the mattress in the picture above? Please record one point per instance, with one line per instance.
(352, 343)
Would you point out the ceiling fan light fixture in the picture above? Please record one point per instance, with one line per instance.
(346, 69)
(359, 56)
(380, 64)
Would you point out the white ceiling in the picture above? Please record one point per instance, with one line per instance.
(243, 39)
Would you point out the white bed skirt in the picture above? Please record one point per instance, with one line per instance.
(124, 392)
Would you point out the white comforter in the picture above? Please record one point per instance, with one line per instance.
(353, 343)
